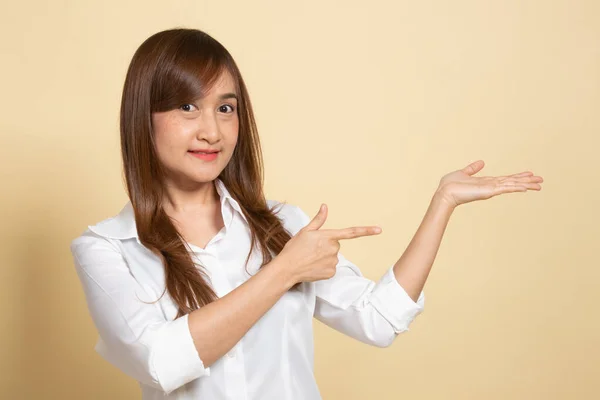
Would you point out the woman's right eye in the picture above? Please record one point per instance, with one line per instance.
(186, 107)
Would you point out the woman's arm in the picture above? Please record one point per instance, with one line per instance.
(218, 326)
(137, 338)
(455, 188)
(412, 268)
(373, 312)
(376, 312)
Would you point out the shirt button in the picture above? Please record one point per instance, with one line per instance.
(231, 354)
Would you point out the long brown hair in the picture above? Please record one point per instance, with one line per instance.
(169, 69)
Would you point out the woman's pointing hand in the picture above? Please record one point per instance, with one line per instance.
(312, 254)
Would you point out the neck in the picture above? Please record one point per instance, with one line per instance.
(193, 198)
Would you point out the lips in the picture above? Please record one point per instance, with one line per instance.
(204, 151)
(205, 156)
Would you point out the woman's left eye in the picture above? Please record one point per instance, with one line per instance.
(227, 105)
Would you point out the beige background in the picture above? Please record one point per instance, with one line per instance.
(363, 106)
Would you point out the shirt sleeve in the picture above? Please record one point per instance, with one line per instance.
(372, 312)
(135, 335)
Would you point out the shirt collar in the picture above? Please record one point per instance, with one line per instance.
(122, 226)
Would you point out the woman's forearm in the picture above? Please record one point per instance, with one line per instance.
(412, 269)
(217, 327)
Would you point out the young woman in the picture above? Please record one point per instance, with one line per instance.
(200, 288)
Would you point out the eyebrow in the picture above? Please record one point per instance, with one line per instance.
(226, 96)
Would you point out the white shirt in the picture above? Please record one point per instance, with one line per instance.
(273, 360)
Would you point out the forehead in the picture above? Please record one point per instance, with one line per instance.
(223, 84)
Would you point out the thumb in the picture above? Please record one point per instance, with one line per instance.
(473, 168)
(318, 220)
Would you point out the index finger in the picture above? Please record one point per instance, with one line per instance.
(352, 232)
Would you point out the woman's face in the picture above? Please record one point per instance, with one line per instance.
(207, 124)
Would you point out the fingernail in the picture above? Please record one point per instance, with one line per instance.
(377, 229)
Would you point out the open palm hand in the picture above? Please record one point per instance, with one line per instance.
(461, 186)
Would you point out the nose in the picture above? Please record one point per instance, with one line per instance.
(208, 128)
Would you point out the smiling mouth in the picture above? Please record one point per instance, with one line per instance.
(204, 156)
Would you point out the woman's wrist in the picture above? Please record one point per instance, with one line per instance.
(441, 200)
(281, 273)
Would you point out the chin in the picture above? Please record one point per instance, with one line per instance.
(206, 176)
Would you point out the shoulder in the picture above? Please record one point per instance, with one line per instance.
(101, 236)
(90, 243)
(109, 231)
(291, 215)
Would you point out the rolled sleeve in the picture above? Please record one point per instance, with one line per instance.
(372, 312)
(174, 356)
(134, 334)
(394, 304)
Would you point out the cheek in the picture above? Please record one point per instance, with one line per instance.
(234, 138)
(171, 137)
(233, 133)
(170, 146)
(164, 145)
(161, 127)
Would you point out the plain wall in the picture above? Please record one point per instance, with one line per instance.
(360, 105)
